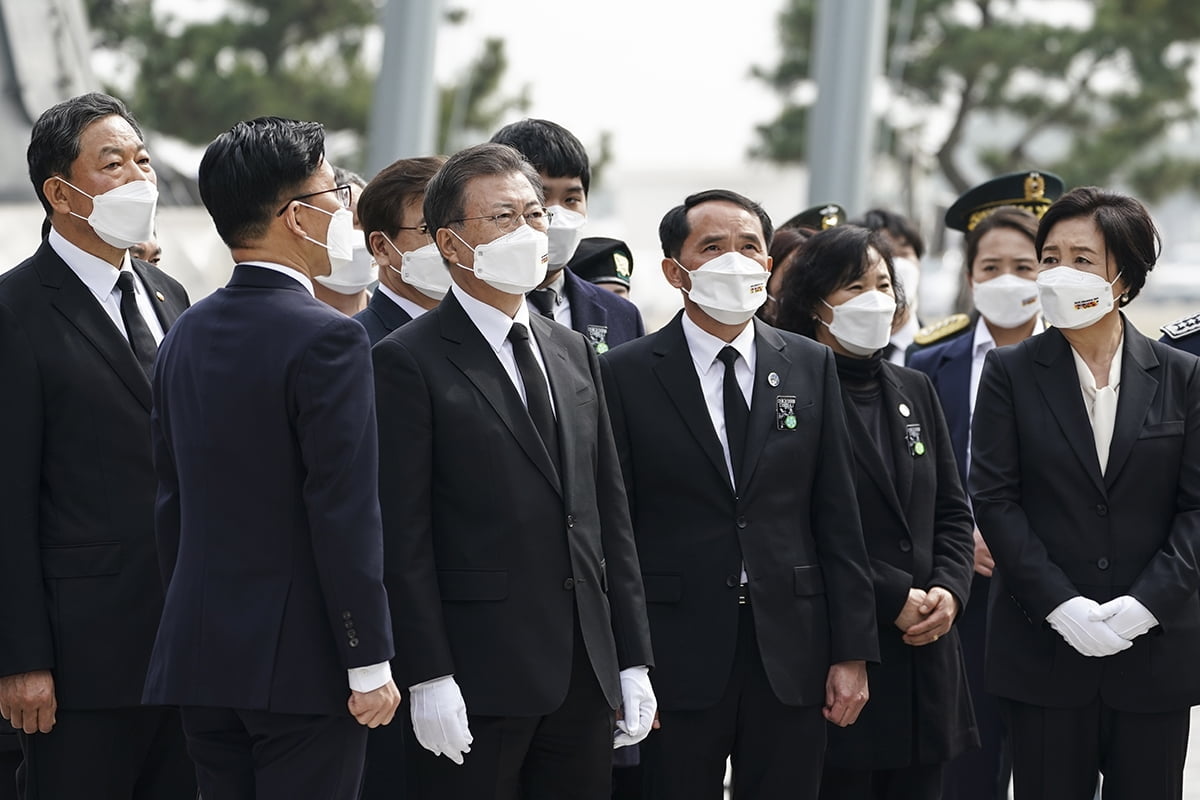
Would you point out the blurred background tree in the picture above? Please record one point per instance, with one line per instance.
(1106, 97)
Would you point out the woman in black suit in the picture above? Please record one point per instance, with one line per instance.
(841, 292)
(1085, 476)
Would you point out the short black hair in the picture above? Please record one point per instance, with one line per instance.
(552, 149)
(1129, 232)
(54, 141)
(828, 261)
(381, 205)
(343, 176)
(252, 169)
(895, 225)
(445, 194)
(674, 228)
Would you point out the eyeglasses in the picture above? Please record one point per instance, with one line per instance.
(507, 222)
(343, 197)
(422, 229)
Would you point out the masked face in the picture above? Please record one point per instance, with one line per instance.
(124, 216)
(339, 242)
(863, 324)
(423, 270)
(1007, 301)
(514, 263)
(1073, 299)
(908, 275)
(728, 288)
(566, 229)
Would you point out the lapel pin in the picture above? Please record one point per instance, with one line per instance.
(773, 379)
(785, 412)
(904, 410)
(598, 336)
(160, 297)
(912, 437)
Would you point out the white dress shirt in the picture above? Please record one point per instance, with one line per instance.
(1101, 402)
(562, 306)
(100, 278)
(494, 324)
(406, 305)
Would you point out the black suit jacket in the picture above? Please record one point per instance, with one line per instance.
(381, 316)
(948, 365)
(490, 553)
(793, 521)
(1058, 528)
(82, 594)
(606, 319)
(919, 534)
(267, 514)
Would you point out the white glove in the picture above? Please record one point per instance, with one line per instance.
(638, 706)
(1074, 622)
(439, 718)
(1127, 617)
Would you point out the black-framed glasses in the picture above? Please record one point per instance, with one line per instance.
(343, 197)
(422, 229)
(508, 221)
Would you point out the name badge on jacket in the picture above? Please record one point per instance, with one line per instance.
(785, 412)
(598, 336)
(912, 437)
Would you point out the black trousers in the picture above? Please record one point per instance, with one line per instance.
(1059, 752)
(383, 775)
(120, 754)
(260, 755)
(917, 782)
(10, 759)
(777, 750)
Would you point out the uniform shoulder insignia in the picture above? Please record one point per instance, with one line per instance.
(1182, 327)
(942, 329)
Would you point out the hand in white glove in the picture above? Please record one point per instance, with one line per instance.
(638, 706)
(439, 718)
(1074, 622)
(1127, 617)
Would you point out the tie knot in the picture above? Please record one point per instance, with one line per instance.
(125, 282)
(518, 333)
(728, 356)
(544, 300)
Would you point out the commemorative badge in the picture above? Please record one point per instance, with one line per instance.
(912, 437)
(598, 336)
(785, 412)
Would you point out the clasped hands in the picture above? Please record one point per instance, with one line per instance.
(1096, 629)
(927, 615)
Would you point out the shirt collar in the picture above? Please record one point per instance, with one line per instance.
(294, 274)
(97, 275)
(983, 341)
(406, 305)
(557, 285)
(1087, 381)
(493, 323)
(704, 346)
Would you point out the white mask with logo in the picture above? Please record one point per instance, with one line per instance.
(863, 324)
(728, 288)
(566, 229)
(423, 269)
(1072, 298)
(1007, 301)
(124, 216)
(514, 263)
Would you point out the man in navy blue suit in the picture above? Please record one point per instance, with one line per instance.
(604, 318)
(275, 635)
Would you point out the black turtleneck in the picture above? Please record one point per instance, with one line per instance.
(863, 396)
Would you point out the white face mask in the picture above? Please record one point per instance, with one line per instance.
(1007, 301)
(566, 229)
(514, 263)
(908, 275)
(863, 324)
(124, 216)
(423, 269)
(339, 242)
(1072, 298)
(729, 288)
(353, 276)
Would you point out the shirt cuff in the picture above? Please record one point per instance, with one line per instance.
(368, 679)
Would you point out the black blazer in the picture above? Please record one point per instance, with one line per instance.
(82, 594)
(604, 318)
(381, 316)
(948, 365)
(1058, 528)
(490, 553)
(267, 516)
(919, 534)
(793, 521)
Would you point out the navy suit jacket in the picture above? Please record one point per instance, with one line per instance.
(601, 316)
(1188, 344)
(268, 513)
(948, 365)
(381, 316)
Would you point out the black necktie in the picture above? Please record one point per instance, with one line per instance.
(737, 416)
(537, 395)
(140, 338)
(543, 301)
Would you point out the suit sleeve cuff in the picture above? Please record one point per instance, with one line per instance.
(368, 679)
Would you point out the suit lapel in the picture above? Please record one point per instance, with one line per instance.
(76, 302)
(1135, 394)
(955, 375)
(560, 374)
(894, 399)
(677, 374)
(1054, 372)
(165, 307)
(770, 359)
(869, 459)
(389, 313)
(474, 357)
(584, 310)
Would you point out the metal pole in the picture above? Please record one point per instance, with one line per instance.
(848, 49)
(403, 115)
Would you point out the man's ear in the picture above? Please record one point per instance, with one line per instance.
(291, 220)
(675, 274)
(58, 194)
(380, 250)
(451, 247)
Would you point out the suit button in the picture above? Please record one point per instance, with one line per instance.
(1102, 510)
(1102, 563)
(733, 580)
(741, 522)
(354, 642)
(569, 584)
(905, 545)
(345, 615)
(349, 624)
(570, 520)
(351, 634)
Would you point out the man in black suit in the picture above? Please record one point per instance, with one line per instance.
(741, 488)
(412, 277)
(510, 563)
(275, 635)
(562, 164)
(79, 326)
